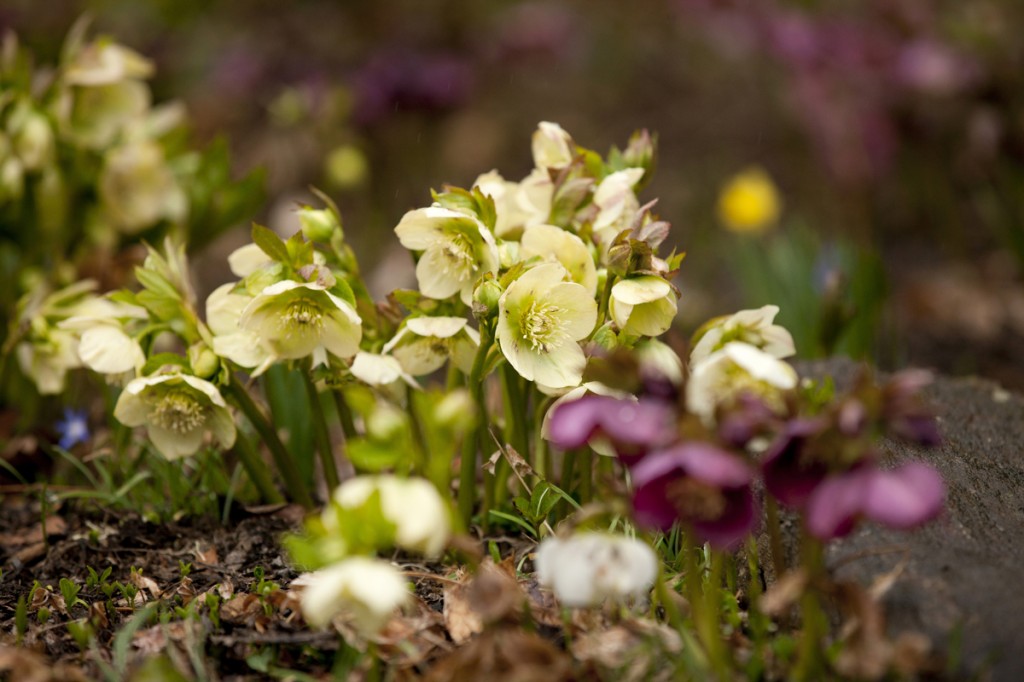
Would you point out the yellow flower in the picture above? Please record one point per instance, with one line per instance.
(749, 202)
(643, 306)
(541, 318)
(457, 250)
(177, 410)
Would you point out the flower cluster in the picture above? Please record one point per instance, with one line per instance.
(743, 417)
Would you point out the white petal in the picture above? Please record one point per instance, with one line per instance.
(174, 445)
(247, 259)
(108, 350)
(441, 327)
(637, 290)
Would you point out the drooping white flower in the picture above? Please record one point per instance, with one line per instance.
(298, 319)
(177, 410)
(554, 244)
(104, 346)
(367, 590)
(749, 326)
(379, 370)
(552, 146)
(413, 505)
(541, 318)
(616, 202)
(737, 368)
(224, 308)
(424, 344)
(457, 250)
(588, 568)
(46, 356)
(643, 306)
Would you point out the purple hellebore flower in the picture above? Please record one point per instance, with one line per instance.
(904, 411)
(788, 476)
(634, 428)
(73, 428)
(706, 488)
(901, 498)
(746, 420)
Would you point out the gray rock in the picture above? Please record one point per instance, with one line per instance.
(965, 571)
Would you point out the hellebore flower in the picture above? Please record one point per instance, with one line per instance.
(632, 427)
(737, 368)
(294, 320)
(413, 505)
(368, 590)
(424, 344)
(661, 370)
(47, 356)
(749, 202)
(104, 346)
(752, 327)
(616, 203)
(457, 250)
(553, 244)
(138, 189)
(177, 410)
(706, 488)
(541, 318)
(643, 306)
(247, 259)
(588, 568)
(901, 498)
(223, 311)
(552, 146)
(379, 370)
(73, 428)
(790, 474)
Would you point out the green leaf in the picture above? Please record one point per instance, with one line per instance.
(155, 283)
(494, 513)
(270, 243)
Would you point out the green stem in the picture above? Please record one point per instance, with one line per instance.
(419, 438)
(285, 465)
(758, 625)
(606, 294)
(515, 429)
(586, 465)
(809, 662)
(467, 472)
(257, 470)
(320, 430)
(348, 426)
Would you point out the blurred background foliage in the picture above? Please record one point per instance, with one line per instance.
(893, 131)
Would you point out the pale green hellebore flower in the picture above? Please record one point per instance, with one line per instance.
(380, 371)
(457, 250)
(103, 344)
(642, 306)
(138, 189)
(177, 411)
(554, 244)
(720, 378)
(413, 505)
(541, 317)
(47, 356)
(552, 146)
(223, 311)
(617, 204)
(295, 320)
(367, 590)
(424, 344)
(749, 326)
(247, 259)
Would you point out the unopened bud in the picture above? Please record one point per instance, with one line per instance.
(204, 361)
(485, 298)
(318, 224)
(606, 338)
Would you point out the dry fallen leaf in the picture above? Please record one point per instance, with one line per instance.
(25, 666)
(507, 654)
(784, 593)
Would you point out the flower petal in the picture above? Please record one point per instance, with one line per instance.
(905, 497)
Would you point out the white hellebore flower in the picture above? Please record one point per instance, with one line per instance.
(379, 370)
(247, 259)
(588, 568)
(541, 317)
(457, 250)
(368, 590)
(104, 346)
(423, 344)
(138, 189)
(735, 369)
(413, 505)
(552, 146)
(223, 311)
(749, 326)
(616, 203)
(46, 358)
(177, 410)
(556, 245)
(643, 306)
(297, 319)
(509, 218)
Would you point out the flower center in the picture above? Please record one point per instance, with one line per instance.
(303, 315)
(541, 326)
(178, 411)
(695, 499)
(457, 255)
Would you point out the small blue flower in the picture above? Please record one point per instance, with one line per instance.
(73, 429)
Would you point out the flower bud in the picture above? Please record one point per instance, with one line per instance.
(508, 254)
(12, 179)
(485, 297)
(33, 142)
(640, 154)
(605, 337)
(318, 225)
(204, 361)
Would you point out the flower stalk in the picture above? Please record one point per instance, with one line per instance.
(467, 472)
(320, 430)
(257, 470)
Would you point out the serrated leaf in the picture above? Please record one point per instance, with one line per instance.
(269, 243)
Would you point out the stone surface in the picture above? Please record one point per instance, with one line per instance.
(964, 571)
